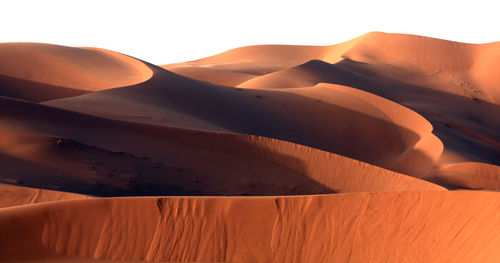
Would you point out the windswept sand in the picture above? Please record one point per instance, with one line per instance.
(376, 227)
(354, 152)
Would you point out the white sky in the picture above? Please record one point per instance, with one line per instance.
(170, 31)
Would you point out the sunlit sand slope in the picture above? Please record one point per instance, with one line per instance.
(479, 176)
(375, 227)
(38, 72)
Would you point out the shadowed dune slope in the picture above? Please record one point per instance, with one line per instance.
(82, 153)
(425, 149)
(419, 73)
(376, 227)
(213, 75)
(11, 195)
(34, 91)
(37, 72)
(334, 125)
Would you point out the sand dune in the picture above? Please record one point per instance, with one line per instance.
(195, 162)
(375, 227)
(263, 59)
(38, 72)
(424, 147)
(468, 176)
(213, 75)
(349, 151)
(418, 74)
(317, 121)
(452, 67)
(11, 195)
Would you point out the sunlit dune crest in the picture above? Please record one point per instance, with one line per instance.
(35, 69)
(383, 148)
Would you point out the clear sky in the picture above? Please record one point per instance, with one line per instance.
(170, 31)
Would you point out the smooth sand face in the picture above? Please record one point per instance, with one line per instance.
(40, 72)
(213, 75)
(347, 150)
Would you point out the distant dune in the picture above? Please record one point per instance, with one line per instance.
(384, 148)
(40, 72)
(11, 195)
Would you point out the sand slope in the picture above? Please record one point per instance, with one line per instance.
(349, 151)
(334, 125)
(38, 72)
(175, 160)
(419, 73)
(213, 75)
(11, 195)
(262, 59)
(467, 176)
(375, 227)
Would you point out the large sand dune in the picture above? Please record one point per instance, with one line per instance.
(374, 227)
(148, 159)
(40, 72)
(326, 122)
(354, 152)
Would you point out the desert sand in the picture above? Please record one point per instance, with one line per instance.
(384, 148)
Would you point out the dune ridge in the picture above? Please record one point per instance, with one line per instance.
(320, 123)
(350, 227)
(52, 71)
(296, 161)
(383, 148)
(11, 195)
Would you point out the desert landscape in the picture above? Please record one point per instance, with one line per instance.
(383, 148)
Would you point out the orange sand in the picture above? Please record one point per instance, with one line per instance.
(349, 152)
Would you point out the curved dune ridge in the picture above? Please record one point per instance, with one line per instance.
(38, 72)
(354, 152)
(65, 141)
(323, 121)
(375, 227)
(424, 147)
(419, 73)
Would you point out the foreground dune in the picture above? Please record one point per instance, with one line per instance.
(375, 227)
(40, 72)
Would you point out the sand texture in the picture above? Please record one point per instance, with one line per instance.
(384, 148)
